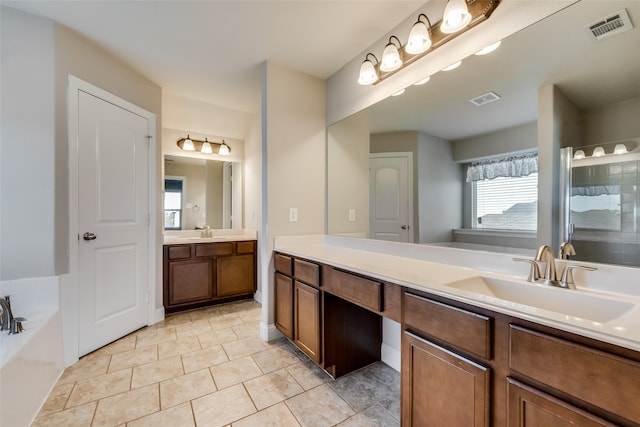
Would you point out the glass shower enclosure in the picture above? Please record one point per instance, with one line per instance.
(600, 202)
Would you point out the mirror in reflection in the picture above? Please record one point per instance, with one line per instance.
(555, 86)
(200, 193)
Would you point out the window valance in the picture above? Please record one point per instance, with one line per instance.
(513, 166)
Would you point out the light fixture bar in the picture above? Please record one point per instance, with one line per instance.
(206, 146)
(480, 11)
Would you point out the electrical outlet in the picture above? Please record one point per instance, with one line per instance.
(352, 214)
(293, 214)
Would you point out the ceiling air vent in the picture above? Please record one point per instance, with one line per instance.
(484, 99)
(609, 26)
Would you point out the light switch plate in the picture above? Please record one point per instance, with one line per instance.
(352, 214)
(293, 214)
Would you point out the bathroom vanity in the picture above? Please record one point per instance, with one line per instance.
(467, 357)
(200, 272)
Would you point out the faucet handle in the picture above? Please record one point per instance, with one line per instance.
(534, 272)
(566, 280)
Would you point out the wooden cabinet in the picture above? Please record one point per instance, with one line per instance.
(307, 333)
(284, 304)
(529, 407)
(201, 274)
(440, 387)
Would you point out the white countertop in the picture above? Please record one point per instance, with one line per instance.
(195, 236)
(431, 269)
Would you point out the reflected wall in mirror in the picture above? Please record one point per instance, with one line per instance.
(557, 86)
(201, 193)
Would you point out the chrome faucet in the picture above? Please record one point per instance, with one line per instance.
(545, 254)
(6, 319)
(206, 232)
(566, 250)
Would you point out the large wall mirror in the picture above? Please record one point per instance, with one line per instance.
(200, 193)
(397, 170)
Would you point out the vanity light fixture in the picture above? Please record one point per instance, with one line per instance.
(187, 144)
(206, 147)
(224, 149)
(391, 59)
(579, 155)
(598, 152)
(368, 73)
(620, 149)
(456, 16)
(419, 37)
(459, 16)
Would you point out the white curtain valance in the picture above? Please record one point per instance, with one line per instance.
(514, 167)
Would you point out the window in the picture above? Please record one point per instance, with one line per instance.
(504, 193)
(506, 203)
(173, 204)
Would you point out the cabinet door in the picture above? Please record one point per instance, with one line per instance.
(307, 320)
(284, 304)
(441, 388)
(235, 275)
(190, 281)
(529, 407)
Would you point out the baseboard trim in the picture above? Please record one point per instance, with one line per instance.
(269, 332)
(390, 356)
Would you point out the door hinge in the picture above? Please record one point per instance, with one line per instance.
(148, 140)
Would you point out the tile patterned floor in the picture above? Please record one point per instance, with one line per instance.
(209, 368)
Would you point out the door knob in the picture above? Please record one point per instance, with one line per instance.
(89, 236)
(404, 227)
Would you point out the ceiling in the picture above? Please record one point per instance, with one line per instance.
(555, 50)
(211, 51)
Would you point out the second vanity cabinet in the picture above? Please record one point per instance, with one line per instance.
(201, 274)
(464, 365)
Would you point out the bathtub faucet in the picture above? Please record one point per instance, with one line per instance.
(6, 319)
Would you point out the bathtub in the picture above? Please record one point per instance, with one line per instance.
(30, 362)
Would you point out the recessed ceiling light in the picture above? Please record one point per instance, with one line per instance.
(398, 93)
(452, 66)
(423, 81)
(488, 49)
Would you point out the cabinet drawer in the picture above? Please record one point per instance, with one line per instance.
(466, 330)
(602, 379)
(283, 264)
(359, 290)
(245, 247)
(179, 251)
(307, 272)
(215, 249)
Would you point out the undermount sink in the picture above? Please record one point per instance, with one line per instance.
(529, 297)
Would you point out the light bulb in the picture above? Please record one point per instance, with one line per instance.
(620, 149)
(206, 147)
(456, 16)
(598, 152)
(390, 58)
(224, 149)
(579, 154)
(419, 39)
(187, 145)
(368, 73)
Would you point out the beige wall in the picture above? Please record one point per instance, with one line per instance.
(613, 122)
(505, 141)
(348, 175)
(294, 148)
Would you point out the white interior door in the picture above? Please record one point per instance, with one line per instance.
(113, 222)
(391, 197)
